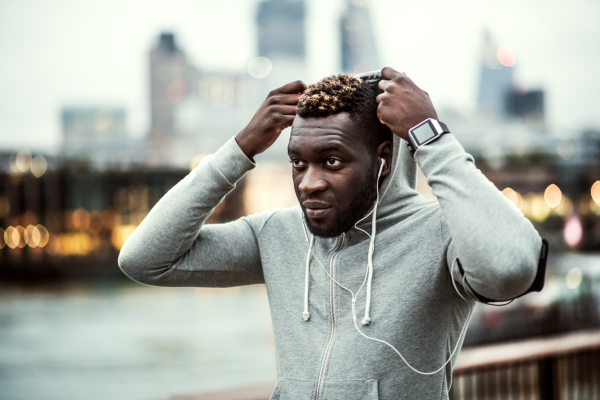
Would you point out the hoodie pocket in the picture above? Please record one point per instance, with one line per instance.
(350, 390)
(294, 389)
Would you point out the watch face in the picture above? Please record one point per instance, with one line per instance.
(423, 133)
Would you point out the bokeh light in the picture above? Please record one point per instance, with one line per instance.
(15, 237)
(553, 196)
(573, 232)
(506, 56)
(574, 278)
(596, 192)
(514, 197)
(9, 237)
(73, 244)
(22, 238)
(535, 207)
(44, 235)
(39, 165)
(31, 240)
(23, 160)
(2, 241)
(260, 67)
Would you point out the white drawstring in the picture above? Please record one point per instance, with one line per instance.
(366, 320)
(306, 314)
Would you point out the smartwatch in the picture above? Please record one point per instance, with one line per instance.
(425, 133)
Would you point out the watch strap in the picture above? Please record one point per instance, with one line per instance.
(412, 145)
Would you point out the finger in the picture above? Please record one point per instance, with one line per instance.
(292, 88)
(291, 99)
(287, 120)
(389, 73)
(379, 114)
(381, 98)
(286, 110)
(383, 84)
(379, 117)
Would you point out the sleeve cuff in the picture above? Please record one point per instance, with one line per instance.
(443, 149)
(231, 161)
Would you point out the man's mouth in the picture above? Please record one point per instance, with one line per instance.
(316, 208)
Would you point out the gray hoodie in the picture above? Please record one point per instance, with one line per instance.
(417, 315)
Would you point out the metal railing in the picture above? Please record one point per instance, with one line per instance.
(565, 367)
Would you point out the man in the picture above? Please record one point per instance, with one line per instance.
(370, 284)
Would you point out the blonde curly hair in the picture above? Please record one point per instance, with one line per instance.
(345, 93)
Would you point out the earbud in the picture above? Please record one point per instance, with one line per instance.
(380, 170)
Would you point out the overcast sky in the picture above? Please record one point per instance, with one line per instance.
(82, 52)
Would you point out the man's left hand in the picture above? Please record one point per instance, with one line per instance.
(402, 104)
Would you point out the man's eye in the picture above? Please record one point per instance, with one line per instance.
(297, 163)
(332, 162)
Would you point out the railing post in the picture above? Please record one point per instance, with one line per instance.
(548, 384)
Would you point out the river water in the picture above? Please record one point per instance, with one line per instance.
(128, 341)
(120, 340)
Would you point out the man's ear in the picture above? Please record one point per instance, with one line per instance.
(384, 150)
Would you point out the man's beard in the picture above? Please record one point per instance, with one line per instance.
(361, 204)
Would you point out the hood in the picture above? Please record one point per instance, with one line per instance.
(398, 189)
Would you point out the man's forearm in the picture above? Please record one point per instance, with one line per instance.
(496, 245)
(174, 223)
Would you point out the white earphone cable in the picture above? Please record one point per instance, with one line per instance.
(458, 341)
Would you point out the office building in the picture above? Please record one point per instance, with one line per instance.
(359, 53)
(495, 81)
(98, 136)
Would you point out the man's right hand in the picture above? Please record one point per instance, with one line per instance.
(275, 114)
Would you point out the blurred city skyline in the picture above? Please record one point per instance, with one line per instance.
(68, 53)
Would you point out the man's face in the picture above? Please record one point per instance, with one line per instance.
(333, 171)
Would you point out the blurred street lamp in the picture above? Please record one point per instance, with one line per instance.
(553, 196)
(573, 232)
(596, 192)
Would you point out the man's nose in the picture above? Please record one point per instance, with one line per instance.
(312, 181)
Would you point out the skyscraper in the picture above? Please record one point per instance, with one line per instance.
(169, 75)
(84, 127)
(495, 84)
(358, 44)
(98, 135)
(529, 106)
(281, 29)
(281, 39)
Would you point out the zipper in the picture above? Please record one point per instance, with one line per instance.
(331, 299)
